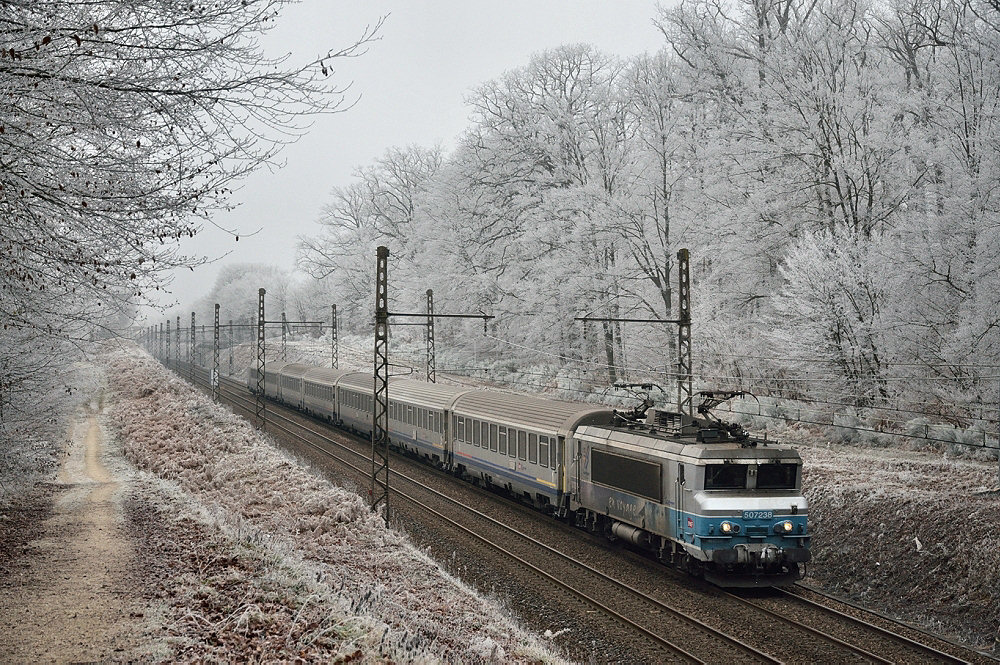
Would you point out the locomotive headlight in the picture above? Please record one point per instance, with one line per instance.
(784, 527)
(726, 527)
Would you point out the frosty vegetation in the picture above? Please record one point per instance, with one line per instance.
(381, 598)
(123, 126)
(831, 165)
(908, 534)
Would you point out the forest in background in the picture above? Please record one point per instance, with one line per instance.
(832, 165)
(124, 126)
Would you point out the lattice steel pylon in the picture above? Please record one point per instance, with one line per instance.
(177, 345)
(166, 359)
(259, 403)
(159, 343)
(380, 405)
(334, 342)
(215, 357)
(431, 372)
(685, 403)
(232, 343)
(191, 347)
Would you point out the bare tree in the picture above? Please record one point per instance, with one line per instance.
(125, 123)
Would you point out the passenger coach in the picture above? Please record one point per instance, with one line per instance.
(701, 494)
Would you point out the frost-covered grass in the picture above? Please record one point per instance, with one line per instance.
(911, 533)
(399, 599)
(33, 437)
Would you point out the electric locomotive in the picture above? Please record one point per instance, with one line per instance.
(699, 493)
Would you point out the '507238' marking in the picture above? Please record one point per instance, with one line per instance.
(758, 514)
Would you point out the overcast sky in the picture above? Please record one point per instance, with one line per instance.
(411, 84)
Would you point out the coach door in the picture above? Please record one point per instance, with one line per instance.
(679, 501)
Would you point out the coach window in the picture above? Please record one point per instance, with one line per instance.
(522, 445)
(502, 439)
(493, 438)
(423, 419)
(533, 448)
(474, 424)
(460, 430)
(543, 450)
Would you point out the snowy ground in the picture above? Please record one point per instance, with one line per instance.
(174, 531)
(235, 551)
(378, 596)
(912, 534)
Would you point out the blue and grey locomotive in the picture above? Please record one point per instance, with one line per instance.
(701, 494)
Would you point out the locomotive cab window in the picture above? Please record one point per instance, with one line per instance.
(725, 476)
(776, 476)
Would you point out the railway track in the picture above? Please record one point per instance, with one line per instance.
(854, 632)
(659, 622)
(654, 621)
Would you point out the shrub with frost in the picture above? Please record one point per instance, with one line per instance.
(178, 434)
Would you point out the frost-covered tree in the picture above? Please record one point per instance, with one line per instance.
(830, 322)
(379, 208)
(123, 126)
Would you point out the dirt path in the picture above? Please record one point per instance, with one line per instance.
(69, 602)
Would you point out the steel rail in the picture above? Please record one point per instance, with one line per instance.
(867, 624)
(599, 574)
(659, 605)
(809, 629)
(659, 640)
